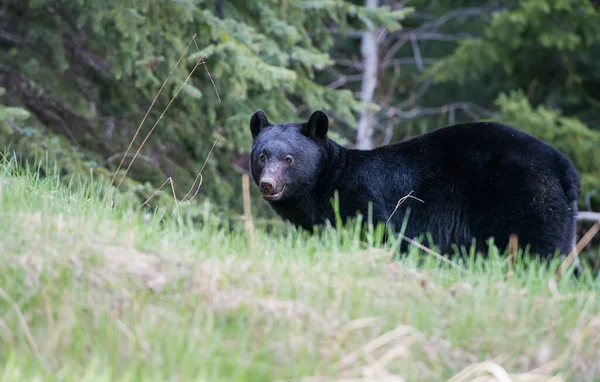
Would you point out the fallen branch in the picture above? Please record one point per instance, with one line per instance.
(588, 216)
(578, 248)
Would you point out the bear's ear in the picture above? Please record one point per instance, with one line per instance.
(317, 125)
(258, 121)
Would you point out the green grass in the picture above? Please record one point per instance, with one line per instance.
(94, 292)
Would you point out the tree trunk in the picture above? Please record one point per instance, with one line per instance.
(369, 51)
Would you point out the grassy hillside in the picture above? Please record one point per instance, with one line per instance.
(99, 293)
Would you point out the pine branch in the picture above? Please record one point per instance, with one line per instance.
(49, 110)
(12, 38)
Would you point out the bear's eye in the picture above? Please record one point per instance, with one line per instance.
(262, 157)
(289, 159)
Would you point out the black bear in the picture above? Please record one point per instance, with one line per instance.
(473, 181)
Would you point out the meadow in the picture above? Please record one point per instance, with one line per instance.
(92, 288)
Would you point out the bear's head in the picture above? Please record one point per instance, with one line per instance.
(285, 158)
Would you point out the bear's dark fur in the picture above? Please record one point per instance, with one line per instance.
(474, 181)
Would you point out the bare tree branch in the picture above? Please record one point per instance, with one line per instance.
(388, 132)
(350, 63)
(454, 14)
(370, 53)
(473, 110)
(409, 109)
(417, 94)
(424, 32)
(436, 36)
(343, 80)
(588, 216)
(451, 116)
(392, 50)
(416, 53)
(428, 26)
(407, 61)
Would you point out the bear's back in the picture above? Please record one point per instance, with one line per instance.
(477, 148)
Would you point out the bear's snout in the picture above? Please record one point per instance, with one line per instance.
(272, 181)
(267, 185)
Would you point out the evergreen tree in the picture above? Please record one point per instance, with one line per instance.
(88, 71)
(530, 63)
(537, 61)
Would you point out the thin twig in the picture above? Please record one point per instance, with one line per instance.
(578, 248)
(115, 156)
(199, 61)
(207, 72)
(415, 243)
(402, 199)
(148, 112)
(8, 162)
(169, 180)
(200, 176)
(416, 53)
(158, 120)
(433, 253)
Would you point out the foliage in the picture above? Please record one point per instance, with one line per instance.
(547, 48)
(89, 71)
(537, 61)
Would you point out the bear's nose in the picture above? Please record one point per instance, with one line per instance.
(267, 184)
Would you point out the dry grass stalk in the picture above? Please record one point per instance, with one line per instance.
(578, 248)
(207, 72)
(169, 180)
(402, 199)
(360, 323)
(146, 115)
(199, 61)
(416, 244)
(7, 161)
(200, 178)
(489, 371)
(248, 223)
(513, 246)
(385, 339)
(433, 253)
(158, 120)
